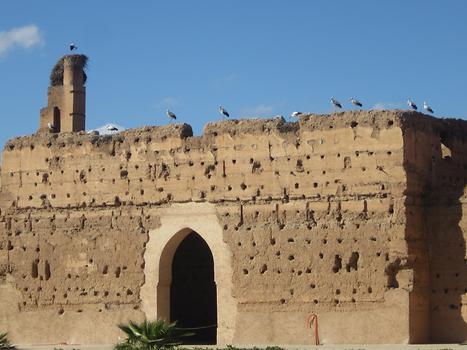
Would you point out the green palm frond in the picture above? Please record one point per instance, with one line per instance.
(5, 343)
(151, 335)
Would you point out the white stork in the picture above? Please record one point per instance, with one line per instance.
(112, 128)
(223, 112)
(411, 105)
(296, 114)
(427, 108)
(51, 127)
(73, 47)
(335, 103)
(171, 115)
(356, 102)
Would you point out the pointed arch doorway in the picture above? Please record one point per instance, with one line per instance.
(177, 222)
(193, 300)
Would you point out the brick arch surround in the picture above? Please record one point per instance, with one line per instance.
(177, 222)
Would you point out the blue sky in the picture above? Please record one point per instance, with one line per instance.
(257, 58)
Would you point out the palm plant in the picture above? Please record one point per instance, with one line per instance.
(4, 342)
(151, 335)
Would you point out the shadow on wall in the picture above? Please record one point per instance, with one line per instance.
(436, 177)
(447, 220)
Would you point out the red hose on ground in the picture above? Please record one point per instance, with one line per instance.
(313, 320)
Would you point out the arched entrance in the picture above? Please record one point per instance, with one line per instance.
(177, 222)
(193, 301)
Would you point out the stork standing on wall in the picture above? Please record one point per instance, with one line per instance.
(171, 115)
(51, 127)
(356, 102)
(411, 105)
(73, 47)
(427, 108)
(335, 103)
(223, 112)
(296, 114)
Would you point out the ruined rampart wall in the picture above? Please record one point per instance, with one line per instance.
(314, 214)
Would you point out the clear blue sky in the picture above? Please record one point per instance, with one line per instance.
(263, 58)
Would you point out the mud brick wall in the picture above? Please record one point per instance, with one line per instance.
(335, 215)
(439, 173)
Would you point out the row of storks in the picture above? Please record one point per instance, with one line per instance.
(357, 103)
(334, 102)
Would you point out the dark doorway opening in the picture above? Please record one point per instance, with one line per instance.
(193, 300)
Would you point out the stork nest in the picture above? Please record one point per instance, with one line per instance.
(56, 76)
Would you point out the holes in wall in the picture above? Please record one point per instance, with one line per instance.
(47, 270)
(124, 174)
(353, 262)
(256, 168)
(209, 170)
(35, 269)
(45, 178)
(347, 163)
(391, 271)
(337, 264)
(82, 176)
(299, 166)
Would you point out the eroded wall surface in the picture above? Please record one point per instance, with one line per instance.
(439, 230)
(314, 214)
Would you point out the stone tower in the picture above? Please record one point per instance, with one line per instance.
(66, 105)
